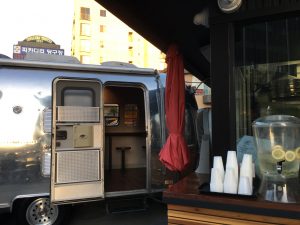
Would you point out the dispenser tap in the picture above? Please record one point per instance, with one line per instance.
(279, 166)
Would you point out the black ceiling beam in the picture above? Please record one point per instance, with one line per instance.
(165, 22)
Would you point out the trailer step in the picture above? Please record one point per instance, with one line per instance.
(125, 205)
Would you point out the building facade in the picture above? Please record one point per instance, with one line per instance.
(99, 36)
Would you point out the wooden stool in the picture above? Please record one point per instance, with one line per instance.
(123, 149)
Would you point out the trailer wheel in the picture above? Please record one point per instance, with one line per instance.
(39, 211)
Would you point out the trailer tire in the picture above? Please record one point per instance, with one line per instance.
(39, 211)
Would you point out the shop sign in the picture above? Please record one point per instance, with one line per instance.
(24, 50)
(39, 39)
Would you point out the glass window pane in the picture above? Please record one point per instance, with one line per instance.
(102, 13)
(267, 71)
(111, 114)
(85, 45)
(85, 29)
(85, 59)
(78, 97)
(102, 28)
(84, 13)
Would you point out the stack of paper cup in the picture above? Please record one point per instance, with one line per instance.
(217, 175)
(246, 175)
(231, 173)
(244, 186)
(231, 162)
(218, 164)
(284, 196)
(230, 182)
(216, 182)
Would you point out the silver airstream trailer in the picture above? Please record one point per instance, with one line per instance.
(74, 133)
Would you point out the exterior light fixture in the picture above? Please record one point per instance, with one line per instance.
(229, 6)
(201, 18)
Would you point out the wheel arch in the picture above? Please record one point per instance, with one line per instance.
(18, 198)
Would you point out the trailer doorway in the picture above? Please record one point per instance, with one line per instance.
(77, 140)
(125, 137)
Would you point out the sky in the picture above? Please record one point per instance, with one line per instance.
(20, 19)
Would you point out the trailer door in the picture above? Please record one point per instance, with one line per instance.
(77, 172)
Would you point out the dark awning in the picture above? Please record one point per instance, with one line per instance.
(163, 22)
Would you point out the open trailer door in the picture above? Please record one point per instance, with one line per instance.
(77, 172)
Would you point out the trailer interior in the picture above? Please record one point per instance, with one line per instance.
(125, 138)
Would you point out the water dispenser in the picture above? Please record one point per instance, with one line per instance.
(277, 139)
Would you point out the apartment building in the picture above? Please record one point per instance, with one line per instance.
(99, 36)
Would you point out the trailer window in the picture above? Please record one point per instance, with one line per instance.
(78, 97)
(111, 115)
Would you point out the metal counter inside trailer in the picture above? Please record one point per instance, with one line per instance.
(71, 133)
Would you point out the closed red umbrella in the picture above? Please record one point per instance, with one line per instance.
(175, 155)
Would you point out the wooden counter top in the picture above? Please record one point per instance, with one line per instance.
(186, 193)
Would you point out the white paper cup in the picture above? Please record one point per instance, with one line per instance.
(284, 196)
(231, 162)
(253, 170)
(216, 182)
(247, 168)
(230, 183)
(244, 186)
(218, 164)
